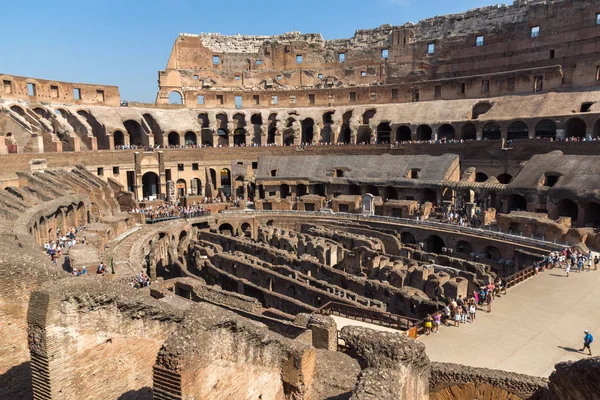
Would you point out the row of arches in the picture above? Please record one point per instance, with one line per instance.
(435, 244)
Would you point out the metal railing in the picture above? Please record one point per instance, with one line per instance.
(371, 316)
(430, 224)
(520, 276)
(151, 220)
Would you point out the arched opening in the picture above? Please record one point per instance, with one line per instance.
(504, 178)
(308, 126)
(363, 136)
(492, 131)
(256, 121)
(575, 127)
(407, 238)
(403, 134)
(150, 185)
(226, 182)
(155, 128)
(181, 187)
(119, 138)
(429, 195)
(517, 130)
(239, 187)
(222, 132)
(480, 109)
(480, 177)
(284, 191)
(517, 203)
(463, 247)
(367, 115)
(239, 137)
(446, 132)
(226, 229)
(545, 129)
(384, 132)
(173, 139)
(492, 253)
(190, 138)
(18, 110)
(136, 137)
(175, 97)
(468, 132)
(98, 130)
(247, 231)
(568, 208)
(597, 129)
(207, 138)
(592, 214)
(213, 178)
(203, 121)
(196, 187)
(301, 190)
(424, 132)
(239, 121)
(272, 133)
(326, 131)
(434, 244)
(345, 135)
(42, 112)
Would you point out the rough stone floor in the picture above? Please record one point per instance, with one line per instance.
(538, 323)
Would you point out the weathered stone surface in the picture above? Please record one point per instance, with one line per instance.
(576, 380)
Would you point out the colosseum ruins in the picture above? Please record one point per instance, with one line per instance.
(287, 216)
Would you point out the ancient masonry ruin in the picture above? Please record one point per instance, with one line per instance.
(322, 168)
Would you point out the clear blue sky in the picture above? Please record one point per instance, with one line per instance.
(125, 42)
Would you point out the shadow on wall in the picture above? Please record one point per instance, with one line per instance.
(15, 384)
(141, 394)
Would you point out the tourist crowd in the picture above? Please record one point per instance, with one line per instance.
(172, 211)
(569, 259)
(64, 240)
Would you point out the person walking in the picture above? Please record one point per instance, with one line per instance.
(587, 341)
(567, 269)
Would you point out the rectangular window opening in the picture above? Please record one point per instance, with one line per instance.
(180, 167)
(237, 77)
(311, 99)
(195, 77)
(363, 73)
(216, 60)
(220, 99)
(100, 95)
(195, 167)
(100, 171)
(77, 94)
(538, 84)
(461, 88)
(510, 84)
(201, 99)
(430, 48)
(437, 91)
(256, 99)
(116, 171)
(7, 86)
(485, 86)
(353, 96)
(278, 77)
(54, 91)
(238, 102)
(274, 100)
(254, 164)
(31, 89)
(373, 96)
(395, 94)
(598, 72)
(292, 99)
(258, 62)
(598, 19)
(535, 31)
(479, 41)
(385, 53)
(415, 95)
(551, 54)
(299, 59)
(342, 57)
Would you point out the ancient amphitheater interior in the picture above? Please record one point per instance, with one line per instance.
(281, 222)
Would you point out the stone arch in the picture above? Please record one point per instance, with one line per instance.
(98, 130)
(546, 128)
(384, 133)
(463, 247)
(517, 202)
(446, 131)
(363, 136)
(407, 238)
(154, 128)
(18, 109)
(190, 138)
(492, 253)
(481, 177)
(492, 131)
(354, 190)
(390, 192)
(434, 244)
(568, 208)
(226, 181)
(173, 139)
(181, 186)
(118, 138)
(372, 189)
(246, 229)
(136, 136)
(256, 121)
(504, 178)
(222, 131)
(196, 185)
(480, 108)
(468, 132)
(150, 185)
(345, 135)
(81, 214)
(424, 132)
(239, 137)
(575, 127)
(42, 112)
(226, 229)
(207, 138)
(239, 120)
(175, 97)
(403, 134)
(429, 195)
(203, 120)
(301, 190)
(368, 115)
(308, 126)
(284, 190)
(517, 130)
(591, 212)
